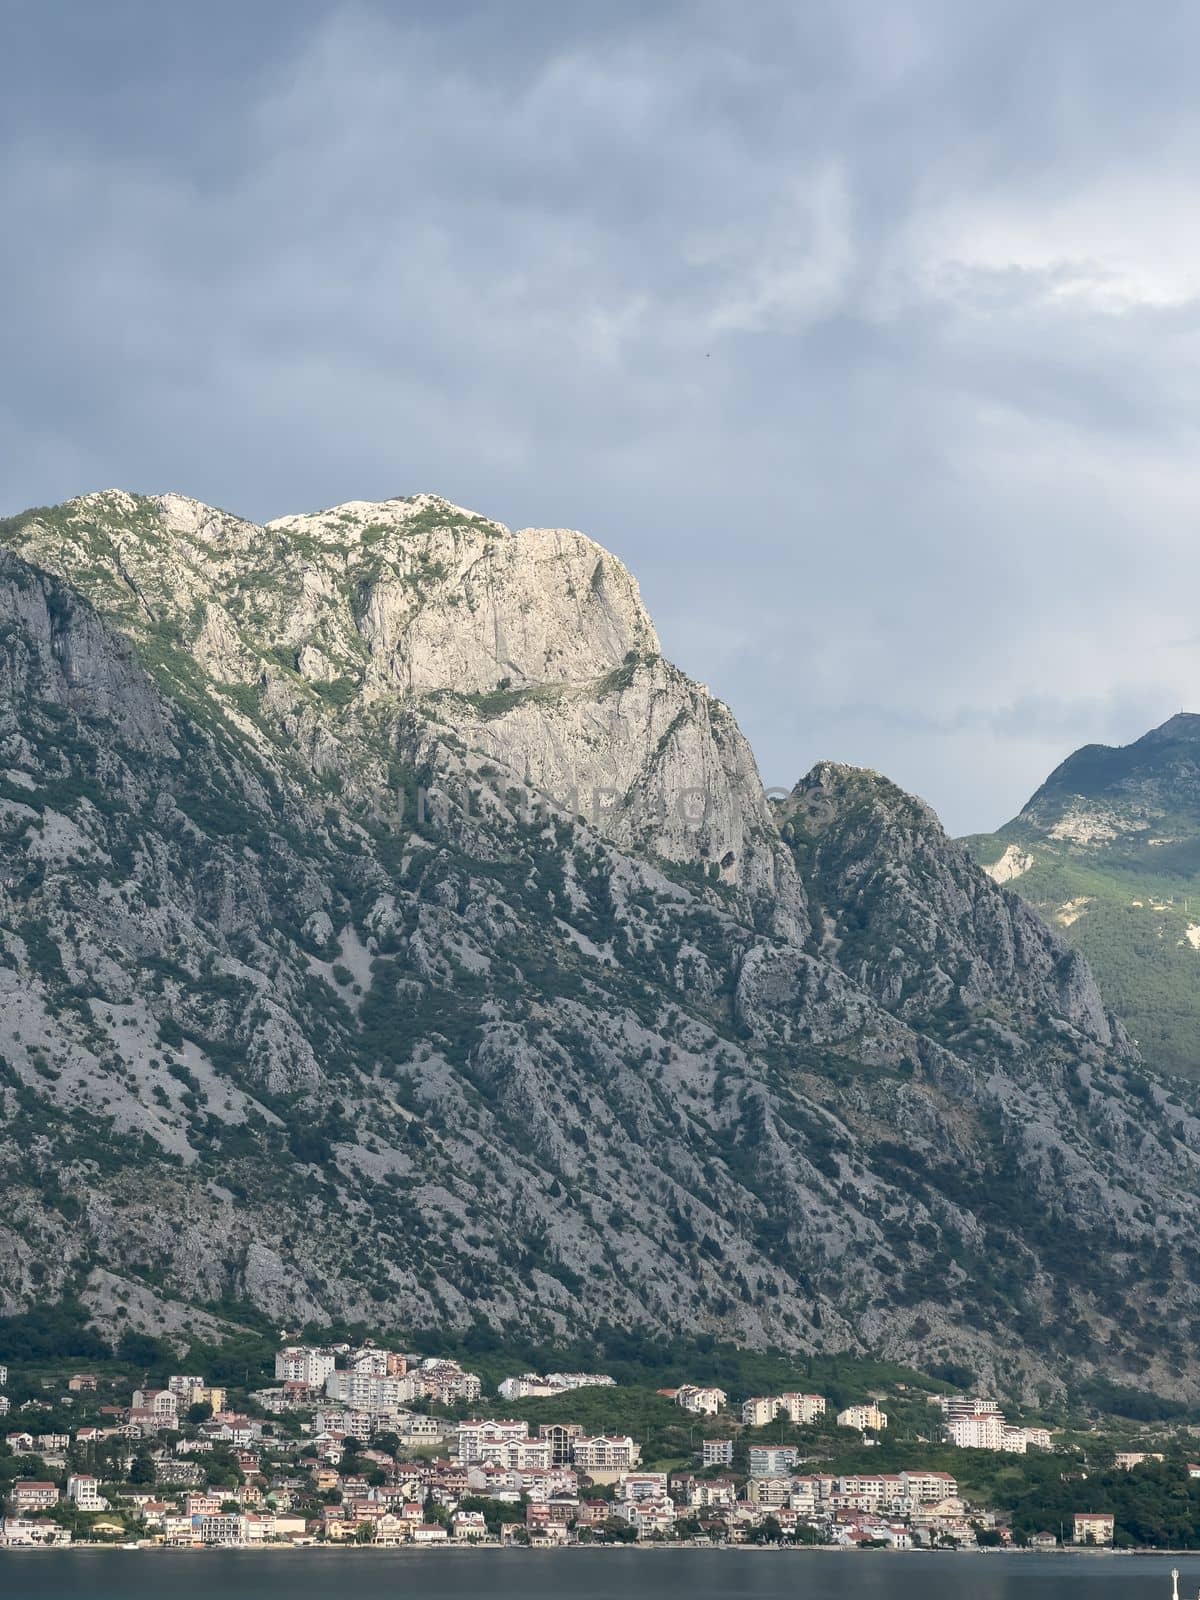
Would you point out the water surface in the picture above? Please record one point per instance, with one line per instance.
(611, 1574)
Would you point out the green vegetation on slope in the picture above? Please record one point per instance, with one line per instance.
(1113, 838)
(1132, 925)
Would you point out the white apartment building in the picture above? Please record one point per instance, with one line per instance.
(863, 1418)
(498, 1483)
(415, 1426)
(642, 1486)
(485, 1439)
(927, 1487)
(30, 1494)
(158, 1402)
(982, 1432)
(708, 1494)
(700, 1401)
(656, 1516)
(769, 1491)
(965, 1405)
(369, 1392)
(511, 1482)
(28, 1530)
(517, 1455)
(973, 1422)
(223, 1528)
(760, 1410)
(1093, 1528)
(561, 1437)
(377, 1363)
(771, 1460)
(606, 1454)
(866, 1491)
(84, 1492)
(581, 1380)
(527, 1387)
(716, 1452)
(804, 1494)
(299, 1364)
(802, 1408)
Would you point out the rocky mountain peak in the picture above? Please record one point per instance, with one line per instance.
(352, 633)
(407, 595)
(834, 790)
(913, 918)
(1101, 791)
(1184, 726)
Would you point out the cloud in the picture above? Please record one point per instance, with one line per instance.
(867, 338)
(1126, 242)
(785, 274)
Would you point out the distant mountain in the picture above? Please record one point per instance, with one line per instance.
(387, 932)
(1108, 850)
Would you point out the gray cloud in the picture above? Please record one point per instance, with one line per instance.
(866, 336)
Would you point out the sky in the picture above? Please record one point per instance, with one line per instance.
(866, 334)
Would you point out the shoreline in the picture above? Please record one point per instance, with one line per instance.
(674, 1548)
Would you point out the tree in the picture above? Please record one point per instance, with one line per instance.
(769, 1531)
(142, 1470)
(55, 1332)
(140, 1350)
(199, 1413)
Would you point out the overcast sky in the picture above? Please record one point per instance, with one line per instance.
(868, 335)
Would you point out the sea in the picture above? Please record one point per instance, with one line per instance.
(608, 1574)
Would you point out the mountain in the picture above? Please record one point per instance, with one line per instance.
(1108, 851)
(387, 932)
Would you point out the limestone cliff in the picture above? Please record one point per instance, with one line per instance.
(349, 629)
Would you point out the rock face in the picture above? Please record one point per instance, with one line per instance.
(1108, 851)
(533, 649)
(388, 932)
(929, 925)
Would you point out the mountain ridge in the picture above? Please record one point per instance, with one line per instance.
(1108, 849)
(319, 996)
(1100, 769)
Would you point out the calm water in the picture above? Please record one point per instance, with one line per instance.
(587, 1575)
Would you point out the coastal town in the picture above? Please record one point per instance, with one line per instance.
(356, 1444)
